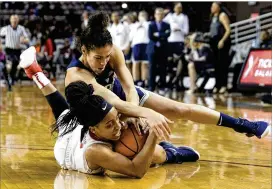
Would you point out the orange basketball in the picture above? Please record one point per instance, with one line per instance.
(130, 143)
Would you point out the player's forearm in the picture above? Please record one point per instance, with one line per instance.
(123, 107)
(144, 158)
(132, 96)
(129, 109)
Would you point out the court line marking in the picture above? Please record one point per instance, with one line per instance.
(29, 148)
(228, 162)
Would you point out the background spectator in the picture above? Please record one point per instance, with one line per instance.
(3, 68)
(220, 44)
(157, 49)
(179, 28)
(139, 35)
(14, 35)
(200, 59)
(119, 32)
(85, 20)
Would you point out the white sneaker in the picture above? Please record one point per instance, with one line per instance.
(27, 57)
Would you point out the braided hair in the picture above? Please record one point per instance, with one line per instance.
(85, 109)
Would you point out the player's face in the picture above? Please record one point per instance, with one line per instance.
(178, 8)
(14, 21)
(159, 15)
(215, 8)
(115, 18)
(195, 45)
(142, 17)
(110, 127)
(98, 58)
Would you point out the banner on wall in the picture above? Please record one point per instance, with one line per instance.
(257, 69)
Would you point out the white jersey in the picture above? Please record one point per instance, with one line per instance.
(139, 33)
(69, 154)
(177, 22)
(120, 35)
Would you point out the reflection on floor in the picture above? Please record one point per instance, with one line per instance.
(228, 159)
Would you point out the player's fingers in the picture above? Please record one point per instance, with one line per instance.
(162, 132)
(144, 126)
(137, 126)
(165, 132)
(165, 124)
(124, 125)
(157, 132)
(168, 120)
(142, 122)
(146, 129)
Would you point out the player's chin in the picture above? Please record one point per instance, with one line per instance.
(116, 136)
(100, 70)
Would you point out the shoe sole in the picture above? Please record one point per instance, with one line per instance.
(27, 57)
(266, 132)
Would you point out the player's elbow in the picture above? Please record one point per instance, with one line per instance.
(138, 172)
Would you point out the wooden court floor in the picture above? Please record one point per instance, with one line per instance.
(229, 160)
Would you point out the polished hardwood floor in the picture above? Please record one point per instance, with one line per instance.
(229, 160)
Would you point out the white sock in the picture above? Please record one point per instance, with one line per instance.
(40, 79)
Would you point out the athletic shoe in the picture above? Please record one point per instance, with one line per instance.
(187, 154)
(258, 128)
(33, 70)
(182, 154)
(29, 63)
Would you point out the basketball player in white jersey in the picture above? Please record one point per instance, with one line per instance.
(179, 29)
(139, 40)
(119, 32)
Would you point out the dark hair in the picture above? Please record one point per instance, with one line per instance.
(96, 34)
(85, 109)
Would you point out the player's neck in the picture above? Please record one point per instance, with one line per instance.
(83, 60)
(97, 137)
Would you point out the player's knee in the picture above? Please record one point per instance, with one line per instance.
(159, 155)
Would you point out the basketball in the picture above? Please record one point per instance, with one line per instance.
(130, 143)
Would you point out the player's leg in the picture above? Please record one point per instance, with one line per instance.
(33, 70)
(201, 114)
(192, 75)
(136, 72)
(3, 70)
(144, 73)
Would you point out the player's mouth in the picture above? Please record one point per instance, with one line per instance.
(118, 133)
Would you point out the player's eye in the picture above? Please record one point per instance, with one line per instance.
(109, 126)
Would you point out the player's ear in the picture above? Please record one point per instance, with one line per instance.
(84, 50)
(92, 129)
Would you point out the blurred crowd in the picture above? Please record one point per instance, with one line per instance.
(159, 52)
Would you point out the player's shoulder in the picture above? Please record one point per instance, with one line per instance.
(98, 150)
(21, 27)
(116, 51)
(223, 15)
(78, 74)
